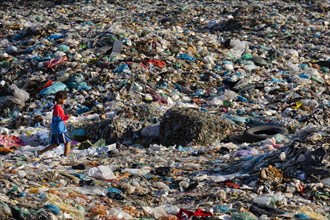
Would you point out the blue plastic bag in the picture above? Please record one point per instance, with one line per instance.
(33, 48)
(114, 190)
(121, 68)
(56, 87)
(53, 208)
(184, 56)
(82, 109)
(43, 59)
(242, 99)
(63, 48)
(77, 82)
(79, 86)
(78, 132)
(55, 36)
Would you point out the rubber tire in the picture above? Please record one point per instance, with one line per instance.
(259, 133)
(237, 139)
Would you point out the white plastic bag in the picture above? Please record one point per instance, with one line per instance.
(101, 172)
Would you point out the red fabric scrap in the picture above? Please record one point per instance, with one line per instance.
(47, 84)
(157, 63)
(54, 62)
(301, 188)
(9, 142)
(231, 184)
(185, 214)
(202, 213)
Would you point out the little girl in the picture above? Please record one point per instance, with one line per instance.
(58, 127)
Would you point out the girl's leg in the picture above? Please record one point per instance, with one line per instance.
(49, 147)
(67, 149)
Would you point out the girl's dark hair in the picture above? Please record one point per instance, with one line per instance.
(60, 95)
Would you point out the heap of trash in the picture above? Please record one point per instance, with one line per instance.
(180, 109)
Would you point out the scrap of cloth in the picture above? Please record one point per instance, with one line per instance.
(185, 214)
(8, 143)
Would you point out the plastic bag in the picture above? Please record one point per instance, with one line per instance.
(19, 93)
(56, 87)
(77, 82)
(186, 57)
(101, 172)
(92, 190)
